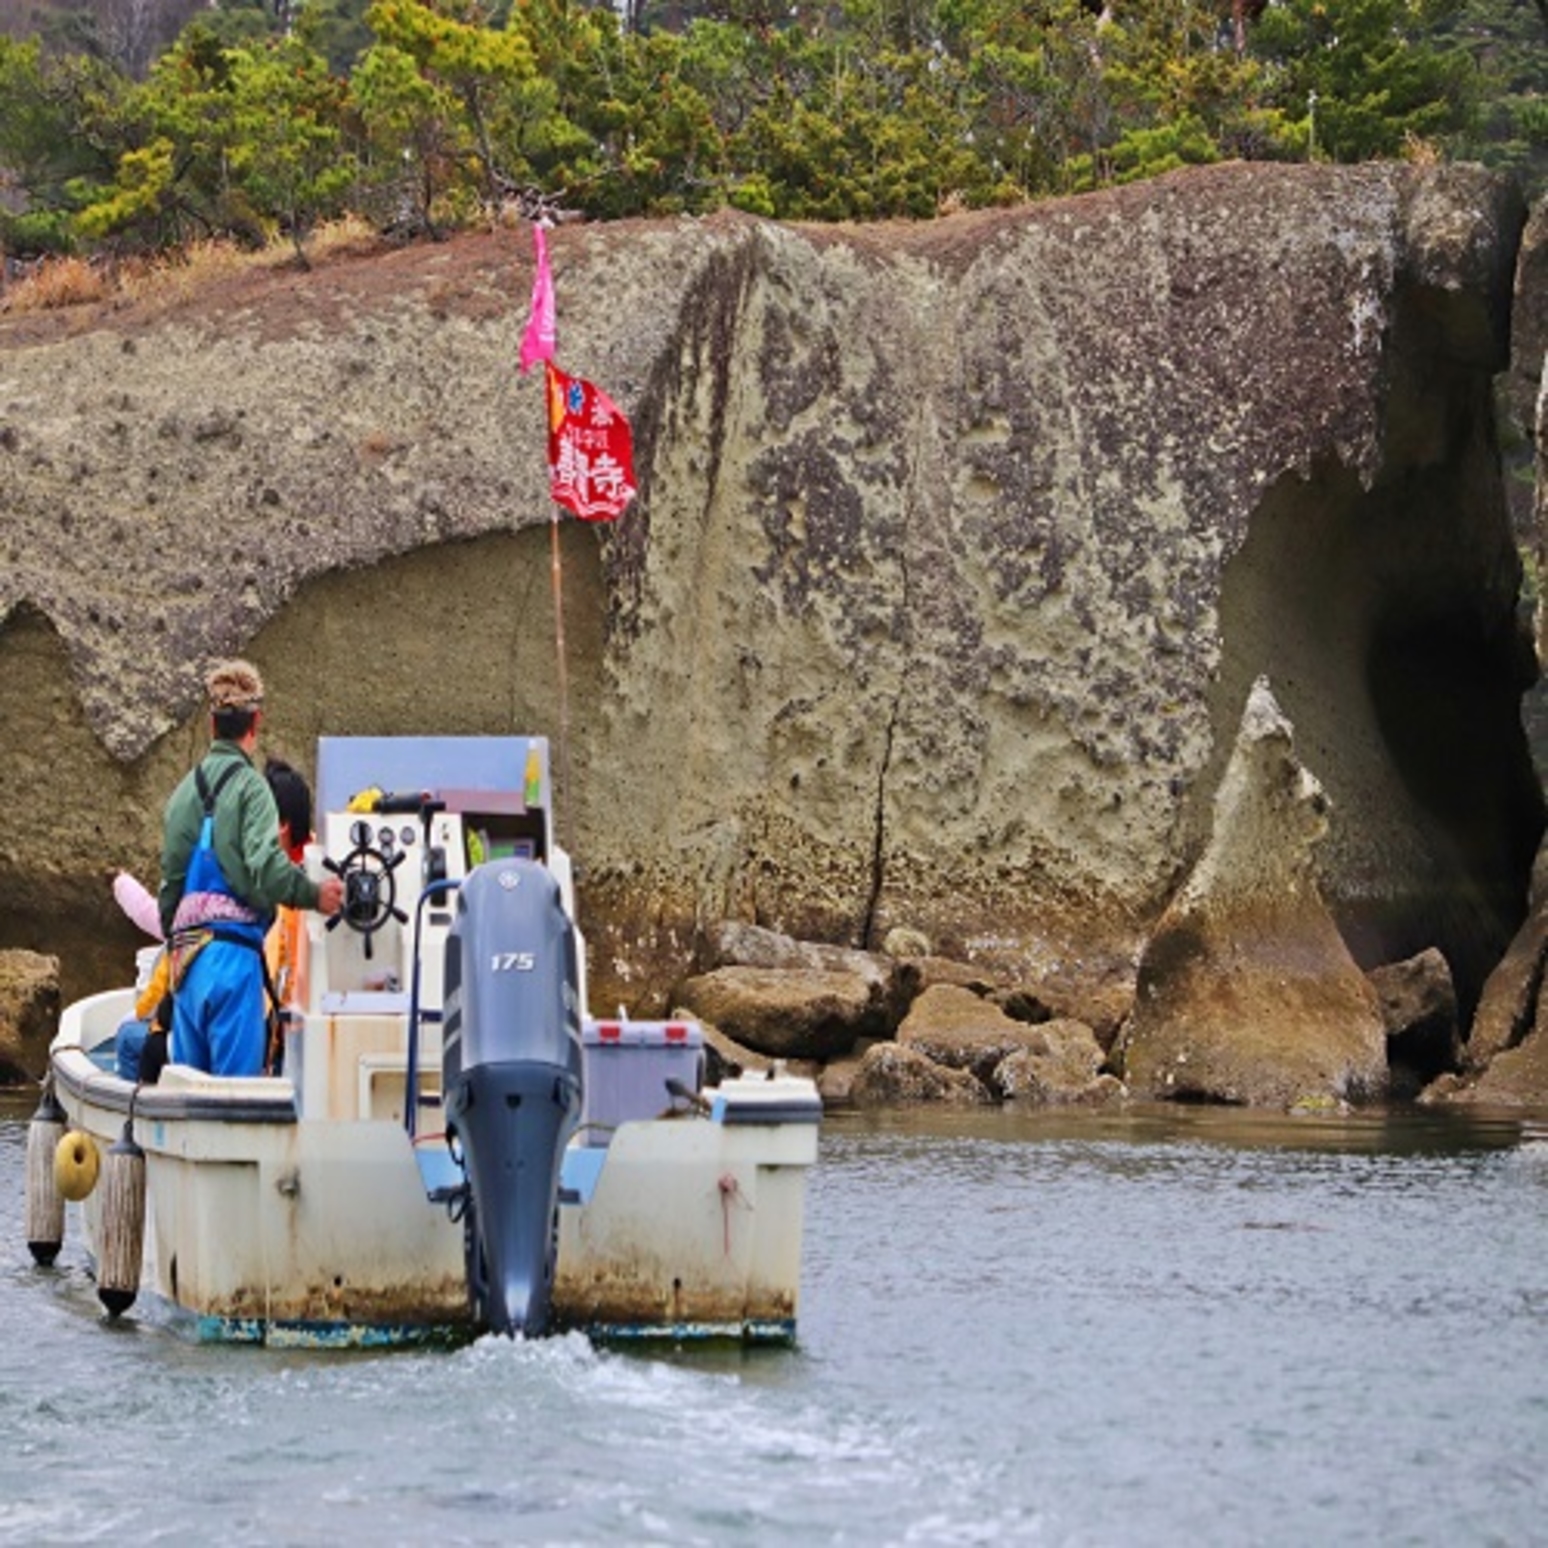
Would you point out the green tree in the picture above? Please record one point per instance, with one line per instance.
(60, 138)
(337, 30)
(443, 93)
(246, 23)
(659, 150)
(173, 180)
(1372, 77)
(287, 113)
(574, 133)
(857, 138)
(1507, 42)
(411, 141)
(1181, 92)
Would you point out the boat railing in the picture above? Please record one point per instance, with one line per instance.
(418, 1015)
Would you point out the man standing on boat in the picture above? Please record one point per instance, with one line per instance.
(223, 873)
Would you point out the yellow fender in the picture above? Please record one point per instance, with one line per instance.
(76, 1165)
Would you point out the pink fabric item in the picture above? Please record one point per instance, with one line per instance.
(539, 340)
(137, 903)
(203, 908)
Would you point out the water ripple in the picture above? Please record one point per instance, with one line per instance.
(1168, 1329)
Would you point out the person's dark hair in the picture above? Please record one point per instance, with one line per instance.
(293, 796)
(231, 725)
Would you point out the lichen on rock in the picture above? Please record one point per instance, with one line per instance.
(958, 545)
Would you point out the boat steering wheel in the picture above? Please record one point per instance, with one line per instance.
(370, 885)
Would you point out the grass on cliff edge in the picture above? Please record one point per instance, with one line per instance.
(63, 282)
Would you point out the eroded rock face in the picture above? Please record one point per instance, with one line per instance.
(1419, 1008)
(1247, 993)
(1516, 1077)
(1528, 339)
(958, 546)
(1505, 1060)
(29, 1014)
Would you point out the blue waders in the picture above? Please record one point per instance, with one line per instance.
(217, 1011)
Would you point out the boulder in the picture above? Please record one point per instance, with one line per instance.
(1508, 1004)
(890, 1075)
(1247, 993)
(891, 982)
(1509, 1001)
(901, 941)
(1419, 1009)
(1100, 996)
(1515, 1077)
(1065, 1070)
(1506, 1055)
(784, 1013)
(29, 1014)
(957, 1028)
(972, 976)
(835, 1082)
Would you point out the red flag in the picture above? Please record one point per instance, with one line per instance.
(590, 449)
(537, 339)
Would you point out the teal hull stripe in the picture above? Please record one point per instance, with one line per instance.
(351, 1335)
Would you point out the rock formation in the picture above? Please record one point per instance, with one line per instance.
(957, 1028)
(957, 548)
(1506, 1056)
(29, 1013)
(890, 1075)
(785, 1013)
(1419, 1009)
(1247, 992)
(1066, 1070)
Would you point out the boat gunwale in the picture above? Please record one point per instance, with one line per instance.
(77, 1074)
(103, 1089)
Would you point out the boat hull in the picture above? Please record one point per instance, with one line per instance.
(694, 1229)
(265, 1226)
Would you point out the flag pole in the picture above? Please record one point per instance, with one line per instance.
(590, 463)
(537, 344)
(562, 788)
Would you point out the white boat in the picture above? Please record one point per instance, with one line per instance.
(452, 1144)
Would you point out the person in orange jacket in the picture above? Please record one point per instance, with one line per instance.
(285, 948)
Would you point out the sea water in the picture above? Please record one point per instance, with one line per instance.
(1169, 1327)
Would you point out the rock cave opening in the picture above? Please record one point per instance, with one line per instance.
(1386, 621)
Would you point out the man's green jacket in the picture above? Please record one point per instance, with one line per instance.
(247, 842)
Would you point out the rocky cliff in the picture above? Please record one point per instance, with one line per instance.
(958, 548)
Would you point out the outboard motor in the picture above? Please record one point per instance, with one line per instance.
(511, 1075)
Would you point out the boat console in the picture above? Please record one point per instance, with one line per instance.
(458, 923)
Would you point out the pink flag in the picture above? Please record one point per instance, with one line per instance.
(537, 342)
(590, 449)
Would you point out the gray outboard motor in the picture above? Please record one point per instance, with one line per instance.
(511, 1075)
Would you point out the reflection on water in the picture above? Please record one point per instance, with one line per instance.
(1194, 1325)
(1395, 1131)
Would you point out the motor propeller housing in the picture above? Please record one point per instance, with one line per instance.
(512, 1080)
